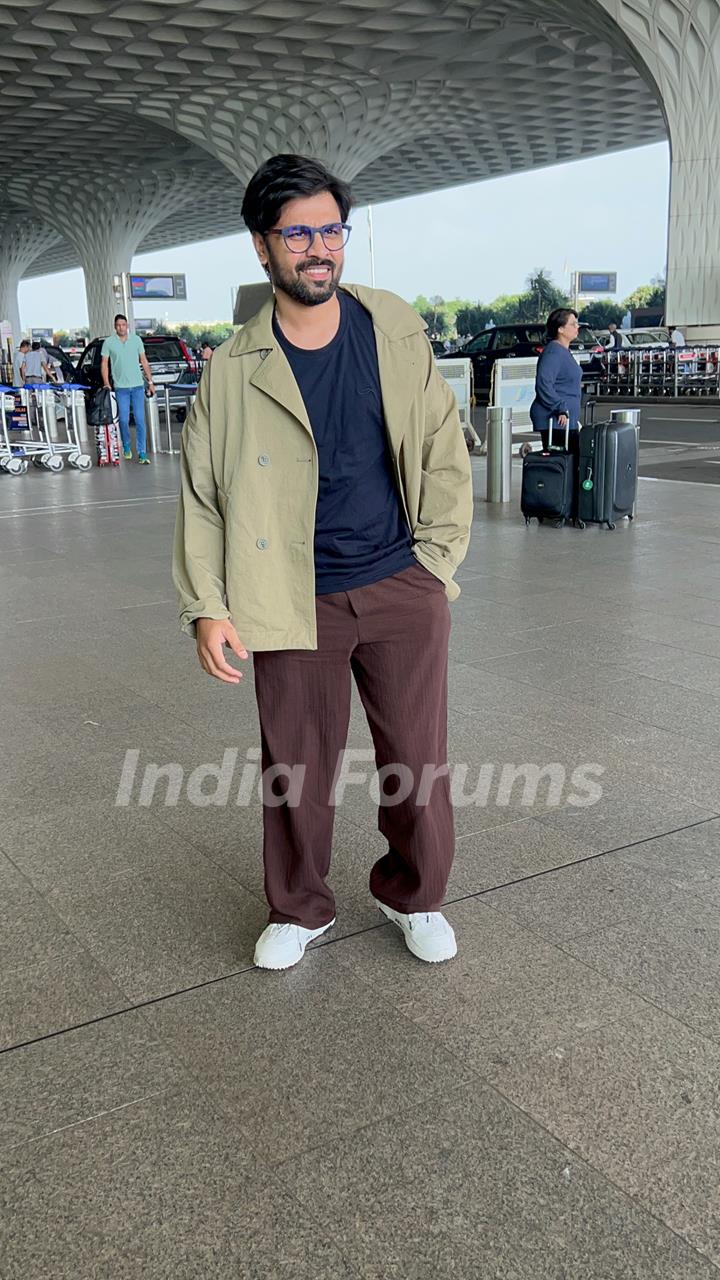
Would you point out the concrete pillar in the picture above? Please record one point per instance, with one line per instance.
(22, 239)
(106, 222)
(679, 44)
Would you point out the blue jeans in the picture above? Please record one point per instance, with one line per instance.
(125, 397)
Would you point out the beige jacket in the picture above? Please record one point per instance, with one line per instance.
(249, 477)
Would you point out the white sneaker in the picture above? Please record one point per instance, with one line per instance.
(282, 945)
(427, 933)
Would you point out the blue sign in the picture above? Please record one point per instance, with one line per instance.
(156, 286)
(597, 282)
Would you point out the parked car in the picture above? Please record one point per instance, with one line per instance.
(638, 337)
(63, 359)
(170, 360)
(508, 341)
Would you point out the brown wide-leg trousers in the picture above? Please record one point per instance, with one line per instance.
(393, 637)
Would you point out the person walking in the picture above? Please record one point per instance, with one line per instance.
(20, 363)
(558, 382)
(325, 505)
(126, 353)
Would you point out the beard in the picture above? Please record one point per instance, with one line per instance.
(299, 286)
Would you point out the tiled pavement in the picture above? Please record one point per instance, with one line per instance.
(545, 1106)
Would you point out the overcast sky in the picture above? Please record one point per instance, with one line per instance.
(606, 214)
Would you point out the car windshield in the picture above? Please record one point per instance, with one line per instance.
(646, 339)
(164, 352)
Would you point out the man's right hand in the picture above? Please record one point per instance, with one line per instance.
(562, 419)
(212, 636)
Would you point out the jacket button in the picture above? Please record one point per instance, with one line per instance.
(261, 544)
(263, 459)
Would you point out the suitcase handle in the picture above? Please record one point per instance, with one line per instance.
(567, 433)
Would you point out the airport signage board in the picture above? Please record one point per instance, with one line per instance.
(589, 282)
(168, 288)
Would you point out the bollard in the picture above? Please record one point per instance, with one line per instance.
(498, 440)
(152, 423)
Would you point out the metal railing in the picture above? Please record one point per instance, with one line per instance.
(661, 372)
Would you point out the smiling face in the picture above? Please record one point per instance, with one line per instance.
(310, 277)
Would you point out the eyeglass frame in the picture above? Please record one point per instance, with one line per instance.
(314, 232)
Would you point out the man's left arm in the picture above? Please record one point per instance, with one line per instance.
(445, 515)
(147, 371)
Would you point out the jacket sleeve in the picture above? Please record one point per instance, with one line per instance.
(545, 379)
(199, 550)
(442, 533)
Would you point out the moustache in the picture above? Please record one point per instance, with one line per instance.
(315, 262)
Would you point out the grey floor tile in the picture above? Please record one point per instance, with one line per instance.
(694, 714)
(639, 1101)
(64, 989)
(71, 1078)
(80, 847)
(688, 858)
(230, 835)
(161, 930)
(30, 932)
(511, 852)
(671, 959)
(506, 993)
(464, 1185)
(629, 810)
(161, 1188)
(587, 896)
(326, 1053)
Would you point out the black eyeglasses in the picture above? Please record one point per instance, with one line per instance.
(334, 236)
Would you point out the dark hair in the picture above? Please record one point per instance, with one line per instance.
(119, 316)
(557, 319)
(36, 346)
(284, 178)
(25, 343)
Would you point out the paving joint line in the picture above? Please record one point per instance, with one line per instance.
(235, 973)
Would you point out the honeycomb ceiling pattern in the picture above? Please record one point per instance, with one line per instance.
(401, 96)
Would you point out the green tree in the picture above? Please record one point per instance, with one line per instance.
(541, 297)
(505, 308)
(647, 295)
(472, 318)
(602, 312)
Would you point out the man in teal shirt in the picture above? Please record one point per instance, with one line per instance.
(126, 353)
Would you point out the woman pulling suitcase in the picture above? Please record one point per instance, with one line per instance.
(558, 381)
(549, 484)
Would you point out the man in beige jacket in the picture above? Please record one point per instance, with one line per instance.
(326, 503)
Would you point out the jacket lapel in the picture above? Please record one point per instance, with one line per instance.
(274, 377)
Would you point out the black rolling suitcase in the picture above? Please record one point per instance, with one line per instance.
(548, 484)
(608, 472)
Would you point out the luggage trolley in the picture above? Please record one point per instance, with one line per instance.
(10, 460)
(73, 398)
(171, 391)
(42, 418)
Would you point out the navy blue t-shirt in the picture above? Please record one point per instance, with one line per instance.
(361, 535)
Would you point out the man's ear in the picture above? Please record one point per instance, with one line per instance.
(260, 248)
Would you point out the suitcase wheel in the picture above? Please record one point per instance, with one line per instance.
(580, 524)
(611, 524)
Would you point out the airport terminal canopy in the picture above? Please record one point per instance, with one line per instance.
(135, 126)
